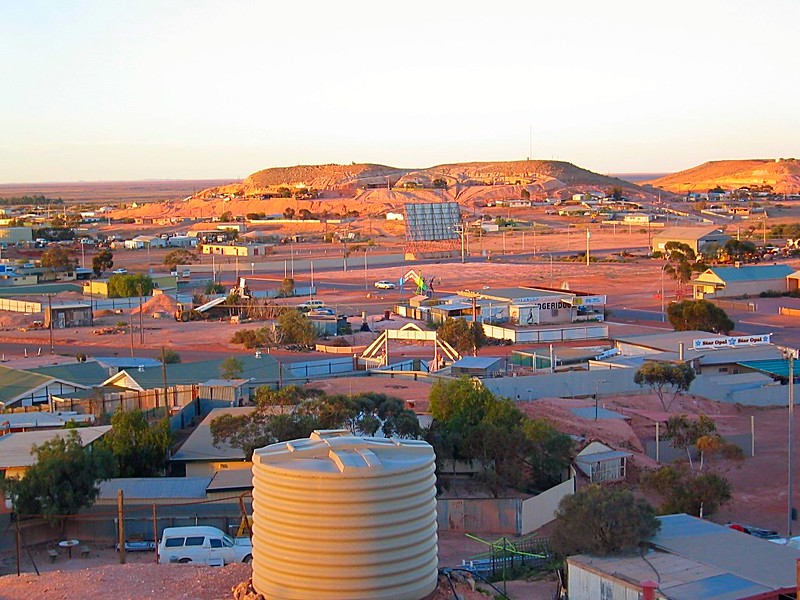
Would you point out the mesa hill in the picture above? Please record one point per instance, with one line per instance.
(351, 177)
(782, 174)
(371, 189)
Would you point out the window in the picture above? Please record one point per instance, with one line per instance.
(227, 540)
(195, 540)
(216, 543)
(174, 542)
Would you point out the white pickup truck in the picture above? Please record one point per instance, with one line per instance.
(202, 544)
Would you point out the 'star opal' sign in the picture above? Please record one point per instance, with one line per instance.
(731, 342)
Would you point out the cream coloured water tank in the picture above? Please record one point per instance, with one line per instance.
(340, 517)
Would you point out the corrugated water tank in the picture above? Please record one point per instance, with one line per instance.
(341, 517)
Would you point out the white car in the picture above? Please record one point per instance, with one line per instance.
(202, 544)
(120, 271)
(310, 305)
(385, 285)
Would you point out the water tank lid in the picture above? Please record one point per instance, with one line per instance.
(337, 452)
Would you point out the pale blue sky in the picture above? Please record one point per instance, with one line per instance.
(199, 89)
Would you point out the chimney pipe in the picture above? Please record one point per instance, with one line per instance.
(680, 352)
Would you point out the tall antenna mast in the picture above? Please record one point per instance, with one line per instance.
(530, 142)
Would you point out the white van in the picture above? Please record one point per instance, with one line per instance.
(202, 544)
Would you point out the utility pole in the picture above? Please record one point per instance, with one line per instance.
(141, 325)
(121, 526)
(50, 319)
(164, 378)
(791, 444)
(588, 236)
(130, 328)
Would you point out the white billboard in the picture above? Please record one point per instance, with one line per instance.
(731, 341)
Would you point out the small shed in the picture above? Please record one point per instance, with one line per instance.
(477, 366)
(601, 463)
(78, 314)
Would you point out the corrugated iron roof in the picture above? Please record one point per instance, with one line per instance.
(15, 383)
(476, 362)
(687, 233)
(15, 448)
(734, 552)
(200, 444)
(89, 373)
(752, 273)
(154, 487)
(588, 412)
(778, 367)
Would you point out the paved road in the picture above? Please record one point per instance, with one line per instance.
(745, 322)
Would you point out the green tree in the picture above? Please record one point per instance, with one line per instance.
(179, 257)
(702, 315)
(547, 455)
(467, 337)
(287, 288)
(59, 259)
(736, 250)
(616, 193)
(682, 490)
(293, 413)
(140, 449)
(288, 213)
(231, 368)
(102, 261)
(62, 481)
(214, 287)
(128, 285)
(680, 257)
(472, 424)
(296, 328)
(171, 357)
(439, 184)
(660, 376)
(602, 520)
(263, 337)
(226, 217)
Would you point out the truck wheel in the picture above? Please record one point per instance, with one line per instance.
(184, 317)
(248, 559)
(183, 561)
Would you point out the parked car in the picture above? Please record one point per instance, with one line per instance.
(323, 311)
(385, 285)
(202, 544)
(120, 271)
(310, 305)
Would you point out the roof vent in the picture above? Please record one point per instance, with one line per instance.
(141, 369)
